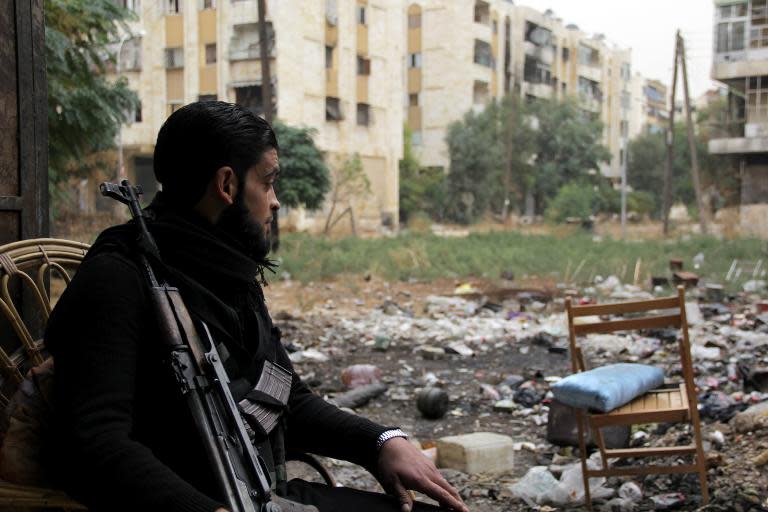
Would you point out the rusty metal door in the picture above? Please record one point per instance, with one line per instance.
(23, 122)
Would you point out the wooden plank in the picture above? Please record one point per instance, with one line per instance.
(632, 417)
(620, 308)
(642, 470)
(652, 322)
(659, 451)
(664, 400)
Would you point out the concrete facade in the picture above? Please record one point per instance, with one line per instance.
(209, 49)
(740, 63)
(507, 48)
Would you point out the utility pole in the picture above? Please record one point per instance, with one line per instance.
(667, 200)
(266, 98)
(703, 213)
(624, 165)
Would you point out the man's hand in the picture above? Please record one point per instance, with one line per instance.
(402, 467)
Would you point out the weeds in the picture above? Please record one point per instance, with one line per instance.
(427, 256)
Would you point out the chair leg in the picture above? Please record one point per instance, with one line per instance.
(583, 455)
(701, 460)
(600, 444)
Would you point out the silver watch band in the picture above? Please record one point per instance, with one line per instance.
(389, 434)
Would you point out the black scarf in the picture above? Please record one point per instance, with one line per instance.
(217, 280)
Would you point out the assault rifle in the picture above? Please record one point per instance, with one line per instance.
(240, 471)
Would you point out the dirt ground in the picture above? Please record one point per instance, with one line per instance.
(310, 316)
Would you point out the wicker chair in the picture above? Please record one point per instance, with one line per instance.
(25, 270)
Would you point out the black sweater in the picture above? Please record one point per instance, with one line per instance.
(124, 437)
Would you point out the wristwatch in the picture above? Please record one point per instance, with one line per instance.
(389, 434)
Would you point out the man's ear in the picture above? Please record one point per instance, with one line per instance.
(224, 184)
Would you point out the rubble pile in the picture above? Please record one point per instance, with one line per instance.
(454, 364)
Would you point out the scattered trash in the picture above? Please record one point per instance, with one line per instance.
(381, 343)
(432, 403)
(360, 375)
(631, 491)
(360, 396)
(308, 356)
(668, 501)
(719, 406)
(527, 397)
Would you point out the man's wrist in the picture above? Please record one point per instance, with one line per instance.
(389, 434)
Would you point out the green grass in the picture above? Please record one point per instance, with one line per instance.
(426, 256)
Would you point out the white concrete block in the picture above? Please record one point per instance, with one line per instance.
(479, 452)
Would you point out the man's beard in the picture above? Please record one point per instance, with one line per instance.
(237, 222)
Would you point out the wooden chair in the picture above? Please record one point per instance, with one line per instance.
(670, 405)
(25, 269)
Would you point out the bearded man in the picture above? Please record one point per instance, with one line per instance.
(124, 437)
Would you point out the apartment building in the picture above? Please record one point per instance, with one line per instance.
(650, 106)
(741, 64)
(503, 48)
(336, 66)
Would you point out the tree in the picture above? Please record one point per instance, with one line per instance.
(476, 162)
(511, 150)
(305, 178)
(349, 182)
(85, 110)
(421, 188)
(567, 146)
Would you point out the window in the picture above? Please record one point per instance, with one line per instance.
(361, 15)
(566, 54)
(173, 6)
(732, 11)
(484, 54)
(173, 106)
(209, 4)
(363, 66)
(413, 99)
(133, 5)
(588, 56)
(536, 71)
(731, 37)
(758, 35)
(244, 44)
(331, 13)
(137, 118)
(250, 98)
(328, 57)
(414, 20)
(495, 26)
(537, 35)
(333, 109)
(210, 53)
(589, 89)
(480, 93)
(130, 55)
(482, 12)
(626, 71)
(363, 114)
(207, 97)
(625, 129)
(416, 138)
(757, 99)
(414, 60)
(174, 58)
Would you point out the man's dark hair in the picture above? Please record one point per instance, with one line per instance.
(202, 137)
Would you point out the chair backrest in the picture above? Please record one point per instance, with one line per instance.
(669, 312)
(26, 267)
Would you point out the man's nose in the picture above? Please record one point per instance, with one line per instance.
(274, 204)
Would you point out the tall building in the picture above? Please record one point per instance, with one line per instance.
(741, 64)
(335, 67)
(505, 48)
(650, 106)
